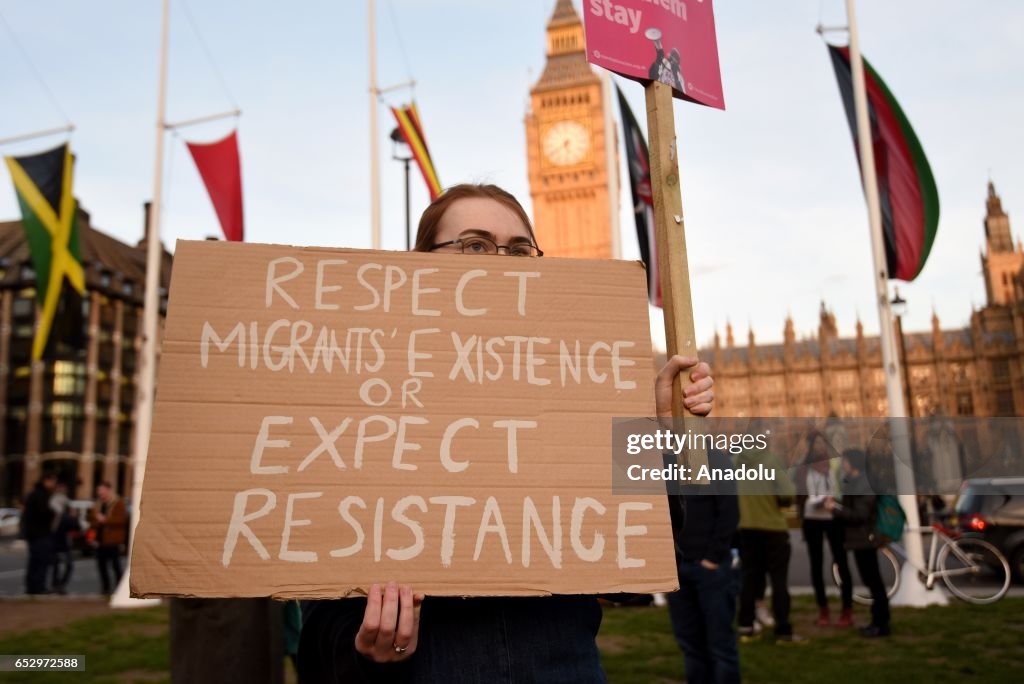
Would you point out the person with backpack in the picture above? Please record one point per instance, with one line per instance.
(859, 513)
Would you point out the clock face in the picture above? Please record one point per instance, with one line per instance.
(566, 143)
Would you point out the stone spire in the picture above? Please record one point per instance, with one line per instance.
(997, 223)
(827, 328)
(1000, 263)
(936, 331)
(564, 13)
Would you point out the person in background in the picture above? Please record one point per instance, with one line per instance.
(857, 512)
(110, 518)
(37, 529)
(64, 523)
(764, 543)
(704, 520)
(815, 483)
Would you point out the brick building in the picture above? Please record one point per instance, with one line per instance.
(72, 412)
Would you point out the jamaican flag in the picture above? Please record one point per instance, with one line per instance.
(48, 214)
(906, 187)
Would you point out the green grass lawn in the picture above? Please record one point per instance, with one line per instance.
(955, 643)
(127, 646)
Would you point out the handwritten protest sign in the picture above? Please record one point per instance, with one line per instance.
(326, 419)
(670, 41)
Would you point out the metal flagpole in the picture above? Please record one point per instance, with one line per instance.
(374, 147)
(911, 592)
(147, 375)
(37, 134)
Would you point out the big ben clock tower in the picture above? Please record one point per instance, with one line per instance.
(566, 147)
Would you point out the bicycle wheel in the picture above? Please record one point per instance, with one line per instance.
(974, 570)
(888, 565)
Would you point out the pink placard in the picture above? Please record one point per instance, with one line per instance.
(672, 41)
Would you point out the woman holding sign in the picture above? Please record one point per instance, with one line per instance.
(396, 635)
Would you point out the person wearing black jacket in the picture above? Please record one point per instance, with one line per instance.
(37, 530)
(858, 512)
(395, 634)
(704, 520)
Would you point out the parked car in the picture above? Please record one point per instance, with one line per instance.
(10, 520)
(993, 508)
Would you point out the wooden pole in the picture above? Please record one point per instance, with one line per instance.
(670, 238)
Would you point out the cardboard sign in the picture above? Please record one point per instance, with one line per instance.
(326, 419)
(672, 41)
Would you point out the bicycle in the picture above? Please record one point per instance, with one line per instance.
(972, 569)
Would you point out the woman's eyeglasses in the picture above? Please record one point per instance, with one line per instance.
(478, 244)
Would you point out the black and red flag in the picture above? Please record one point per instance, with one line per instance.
(639, 164)
(906, 187)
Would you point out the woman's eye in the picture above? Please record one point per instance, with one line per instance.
(475, 246)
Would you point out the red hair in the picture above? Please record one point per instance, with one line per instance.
(426, 234)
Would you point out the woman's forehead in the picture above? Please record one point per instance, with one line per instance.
(483, 214)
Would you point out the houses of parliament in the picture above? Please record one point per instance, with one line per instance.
(974, 371)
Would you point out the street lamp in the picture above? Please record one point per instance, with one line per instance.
(398, 144)
(899, 309)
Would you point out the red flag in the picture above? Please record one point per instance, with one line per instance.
(221, 170)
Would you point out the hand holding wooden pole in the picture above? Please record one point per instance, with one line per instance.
(670, 238)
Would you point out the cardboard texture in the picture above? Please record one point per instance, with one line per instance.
(326, 419)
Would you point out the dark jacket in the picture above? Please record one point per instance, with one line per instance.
(494, 640)
(705, 517)
(67, 524)
(858, 512)
(38, 516)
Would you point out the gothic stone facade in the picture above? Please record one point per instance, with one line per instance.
(976, 371)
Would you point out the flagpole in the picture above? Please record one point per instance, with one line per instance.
(37, 134)
(374, 147)
(610, 150)
(147, 372)
(911, 592)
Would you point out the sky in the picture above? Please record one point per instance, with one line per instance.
(775, 217)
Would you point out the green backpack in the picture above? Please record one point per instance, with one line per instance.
(889, 519)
